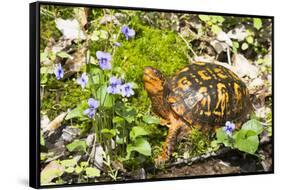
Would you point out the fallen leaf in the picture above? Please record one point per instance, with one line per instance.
(44, 121)
(219, 46)
(81, 14)
(69, 133)
(77, 60)
(56, 123)
(96, 156)
(238, 33)
(243, 67)
(70, 29)
(50, 172)
(222, 36)
(262, 112)
(256, 83)
(90, 139)
(108, 19)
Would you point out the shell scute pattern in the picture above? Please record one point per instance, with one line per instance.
(208, 93)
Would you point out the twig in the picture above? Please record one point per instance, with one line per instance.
(228, 55)
(187, 44)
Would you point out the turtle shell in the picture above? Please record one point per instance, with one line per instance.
(207, 92)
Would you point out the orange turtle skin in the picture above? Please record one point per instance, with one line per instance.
(201, 95)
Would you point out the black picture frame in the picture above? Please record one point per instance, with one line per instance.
(34, 91)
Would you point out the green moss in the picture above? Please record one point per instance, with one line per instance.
(196, 143)
(163, 50)
(59, 96)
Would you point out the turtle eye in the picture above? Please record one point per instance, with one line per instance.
(157, 73)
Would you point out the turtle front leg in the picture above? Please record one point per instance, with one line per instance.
(168, 147)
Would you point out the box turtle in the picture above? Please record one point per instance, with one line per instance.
(201, 95)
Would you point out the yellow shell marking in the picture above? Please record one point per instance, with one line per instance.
(223, 100)
(183, 83)
(219, 73)
(238, 94)
(184, 69)
(234, 75)
(206, 100)
(204, 75)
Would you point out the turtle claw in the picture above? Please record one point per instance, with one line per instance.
(164, 122)
(160, 161)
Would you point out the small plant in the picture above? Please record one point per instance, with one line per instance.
(246, 139)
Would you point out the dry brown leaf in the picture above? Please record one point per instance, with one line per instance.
(81, 14)
(53, 125)
(77, 60)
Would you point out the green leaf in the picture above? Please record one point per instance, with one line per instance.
(128, 113)
(219, 19)
(137, 132)
(42, 140)
(151, 119)
(77, 112)
(204, 18)
(105, 99)
(216, 29)
(78, 169)
(46, 70)
(222, 137)
(108, 133)
(95, 36)
(43, 56)
(257, 23)
(84, 164)
(68, 163)
(250, 39)
(103, 34)
(69, 170)
(247, 142)
(118, 120)
(253, 125)
(235, 44)
(43, 79)
(77, 146)
(63, 54)
(92, 172)
(244, 46)
(141, 145)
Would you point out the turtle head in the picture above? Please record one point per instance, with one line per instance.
(153, 80)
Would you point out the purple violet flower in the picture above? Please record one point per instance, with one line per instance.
(128, 32)
(114, 85)
(59, 72)
(127, 90)
(83, 80)
(229, 128)
(94, 104)
(104, 60)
